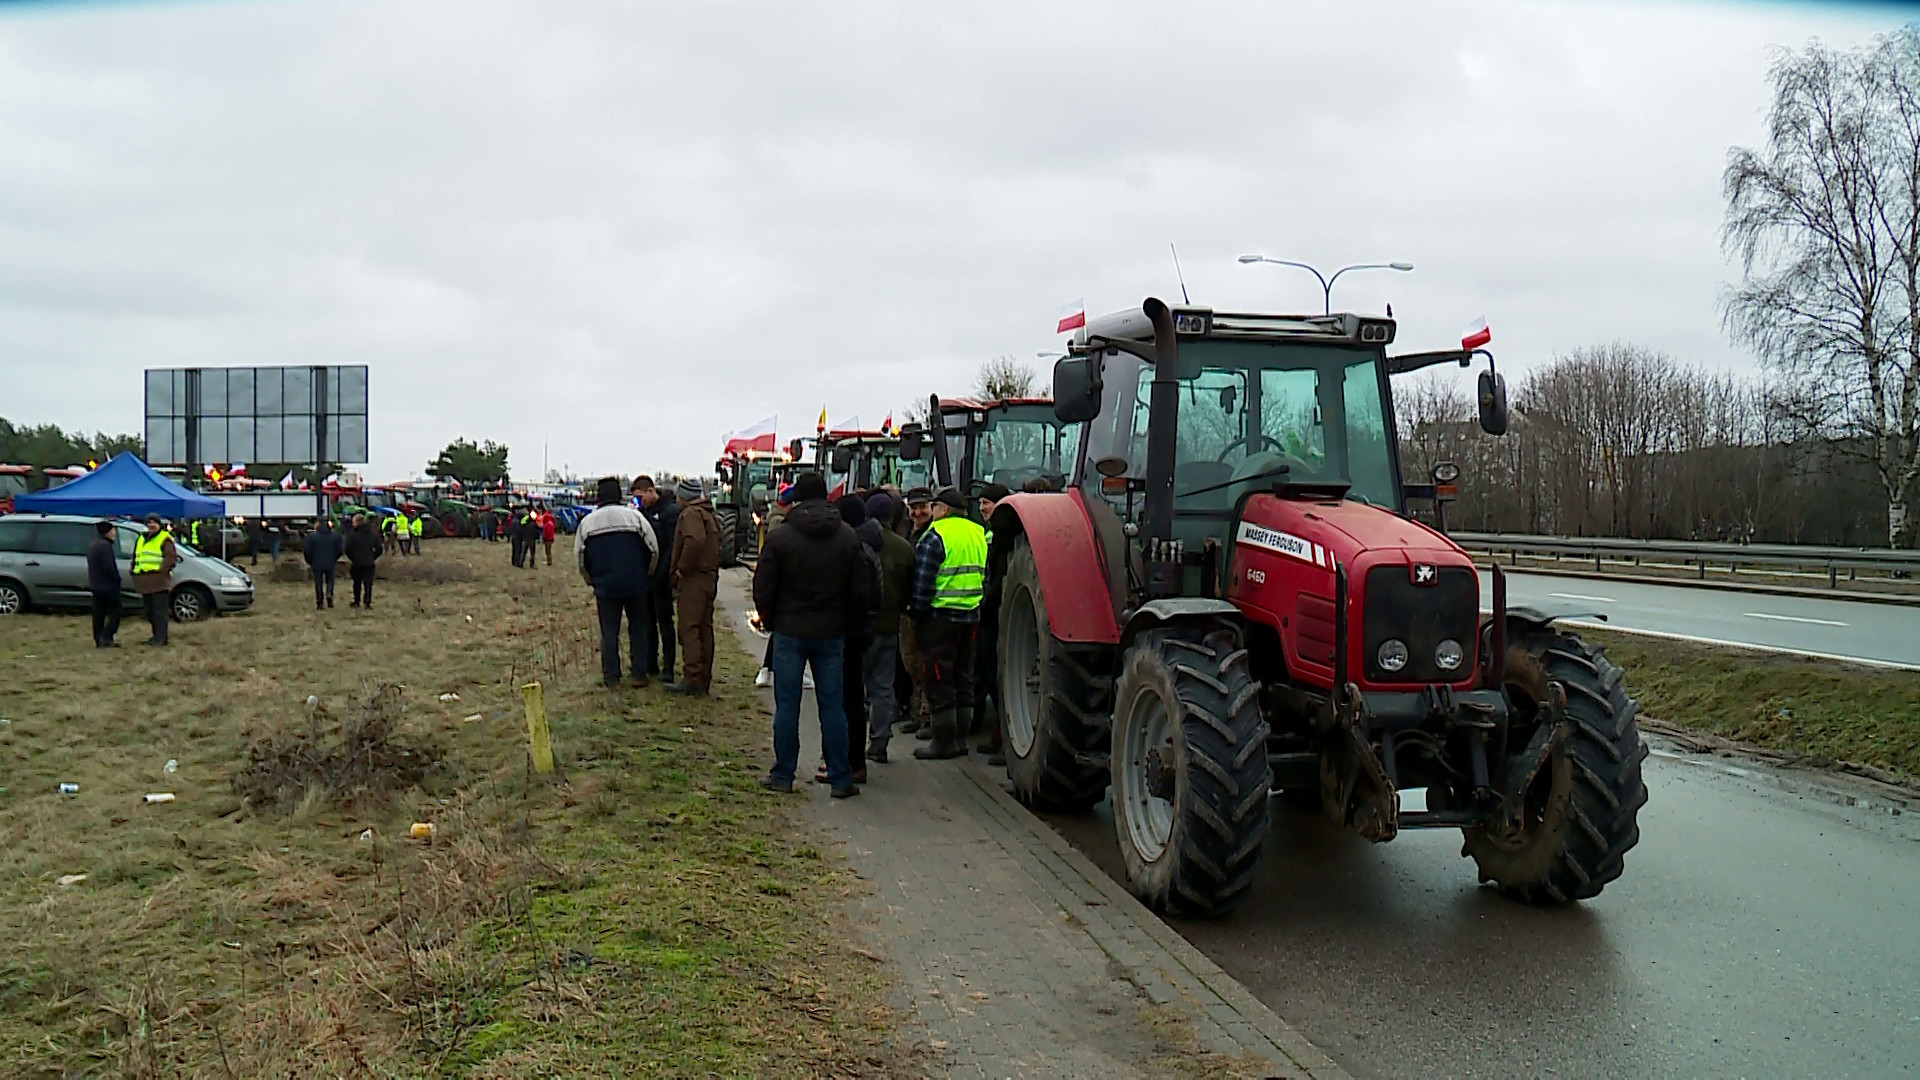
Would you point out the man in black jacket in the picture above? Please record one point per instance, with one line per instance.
(363, 548)
(663, 515)
(103, 582)
(615, 550)
(322, 551)
(810, 585)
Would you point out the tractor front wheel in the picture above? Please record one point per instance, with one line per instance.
(729, 520)
(1190, 774)
(1581, 814)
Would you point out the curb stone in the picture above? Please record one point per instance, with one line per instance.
(1154, 956)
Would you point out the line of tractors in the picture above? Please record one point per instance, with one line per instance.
(1227, 600)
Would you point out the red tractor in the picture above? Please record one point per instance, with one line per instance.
(1231, 604)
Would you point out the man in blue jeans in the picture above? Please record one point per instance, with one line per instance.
(615, 550)
(809, 586)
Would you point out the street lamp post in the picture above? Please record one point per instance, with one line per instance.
(1326, 283)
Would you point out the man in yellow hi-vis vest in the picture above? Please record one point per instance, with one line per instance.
(949, 582)
(154, 557)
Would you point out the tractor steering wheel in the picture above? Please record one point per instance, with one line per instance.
(1247, 441)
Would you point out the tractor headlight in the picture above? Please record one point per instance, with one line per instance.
(1448, 655)
(1392, 655)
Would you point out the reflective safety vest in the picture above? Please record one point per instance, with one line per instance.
(415, 526)
(961, 582)
(149, 552)
(389, 524)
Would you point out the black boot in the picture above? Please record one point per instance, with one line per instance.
(995, 748)
(946, 739)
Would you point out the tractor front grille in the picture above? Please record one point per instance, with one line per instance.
(1422, 615)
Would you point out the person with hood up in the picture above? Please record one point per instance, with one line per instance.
(858, 636)
(810, 584)
(615, 550)
(322, 551)
(549, 528)
(882, 663)
(696, 581)
(363, 548)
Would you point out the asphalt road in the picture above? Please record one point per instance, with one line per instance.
(1761, 929)
(1881, 633)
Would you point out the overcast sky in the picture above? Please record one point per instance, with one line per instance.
(620, 229)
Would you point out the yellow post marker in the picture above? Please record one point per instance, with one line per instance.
(538, 738)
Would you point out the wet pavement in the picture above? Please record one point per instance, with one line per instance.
(1762, 928)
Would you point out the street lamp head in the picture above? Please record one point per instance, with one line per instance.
(1253, 258)
(1400, 266)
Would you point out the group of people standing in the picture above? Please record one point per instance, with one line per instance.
(154, 557)
(854, 590)
(361, 545)
(529, 527)
(648, 557)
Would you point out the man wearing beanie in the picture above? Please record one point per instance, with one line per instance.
(949, 582)
(809, 587)
(883, 655)
(615, 551)
(696, 577)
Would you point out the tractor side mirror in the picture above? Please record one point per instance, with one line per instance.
(1076, 388)
(913, 442)
(1493, 402)
(842, 458)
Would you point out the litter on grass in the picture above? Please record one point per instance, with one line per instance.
(69, 789)
(471, 719)
(173, 765)
(366, 836)
(72, 879)
(158, 797)
(449, 696)
(421, 830)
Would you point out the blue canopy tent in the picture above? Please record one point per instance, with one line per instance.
(123, 487)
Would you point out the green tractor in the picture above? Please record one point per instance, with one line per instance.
(1012, 441)
(861, 460)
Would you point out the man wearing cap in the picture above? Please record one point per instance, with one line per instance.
(696, 579)
(615, 551)
(154, 557)
(919, 512)
(949, 582)
(664, 515)
(808, 587)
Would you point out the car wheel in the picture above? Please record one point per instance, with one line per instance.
(191, 603)
(13, 598)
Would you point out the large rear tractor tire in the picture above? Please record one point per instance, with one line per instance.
(1582, 811)
(729, 519)
(1051, 699)
(1190, 774)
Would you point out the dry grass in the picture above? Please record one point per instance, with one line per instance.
(645, 911)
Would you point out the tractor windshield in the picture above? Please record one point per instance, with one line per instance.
(1020, 442)
(1255, 406)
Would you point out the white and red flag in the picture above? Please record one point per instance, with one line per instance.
(757, 437)
(1477, 335)
(286, 482)
(886, 426)
(1072, 316)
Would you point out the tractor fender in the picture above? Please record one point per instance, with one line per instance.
(1539, 618)
(1073, 576)
(1178, 609)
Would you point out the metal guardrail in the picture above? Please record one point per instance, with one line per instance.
(1698, 554)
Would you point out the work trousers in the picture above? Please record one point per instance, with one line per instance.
(323, 585)
(853, 697)
(106, 616)
(791, 657)
(693, 598)
(519, 548)
(548, 544)
(986, 663)
(882, 667)
(362, 585)
(660, 612)
(611, 609)
(912, 695)
(157, 607)
(946, 663)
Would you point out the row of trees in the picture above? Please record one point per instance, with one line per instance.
(46, 446)
(1620, 440)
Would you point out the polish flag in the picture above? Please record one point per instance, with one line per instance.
(886, 426)
(1072, 316)
(755, 437)
(1477, 334)
(286, 482)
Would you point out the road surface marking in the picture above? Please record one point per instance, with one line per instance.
(1868, 661)
(1793, 618)
(1577, 596)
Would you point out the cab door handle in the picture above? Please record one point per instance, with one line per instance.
(31, 562)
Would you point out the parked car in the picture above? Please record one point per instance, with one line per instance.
(43, 563)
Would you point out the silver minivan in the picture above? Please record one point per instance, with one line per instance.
(43, 563)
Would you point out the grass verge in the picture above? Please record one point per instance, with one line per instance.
(1818, 711)
(646, 910)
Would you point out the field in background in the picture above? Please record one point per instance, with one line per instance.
(647, 910)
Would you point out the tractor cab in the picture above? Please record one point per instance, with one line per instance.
(1233, 570)
(860, 460)
(13, 481)
(1011, 441)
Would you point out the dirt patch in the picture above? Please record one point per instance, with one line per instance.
(344, 760)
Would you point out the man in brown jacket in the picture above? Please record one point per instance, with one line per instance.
(154, 557)
(696, 577)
